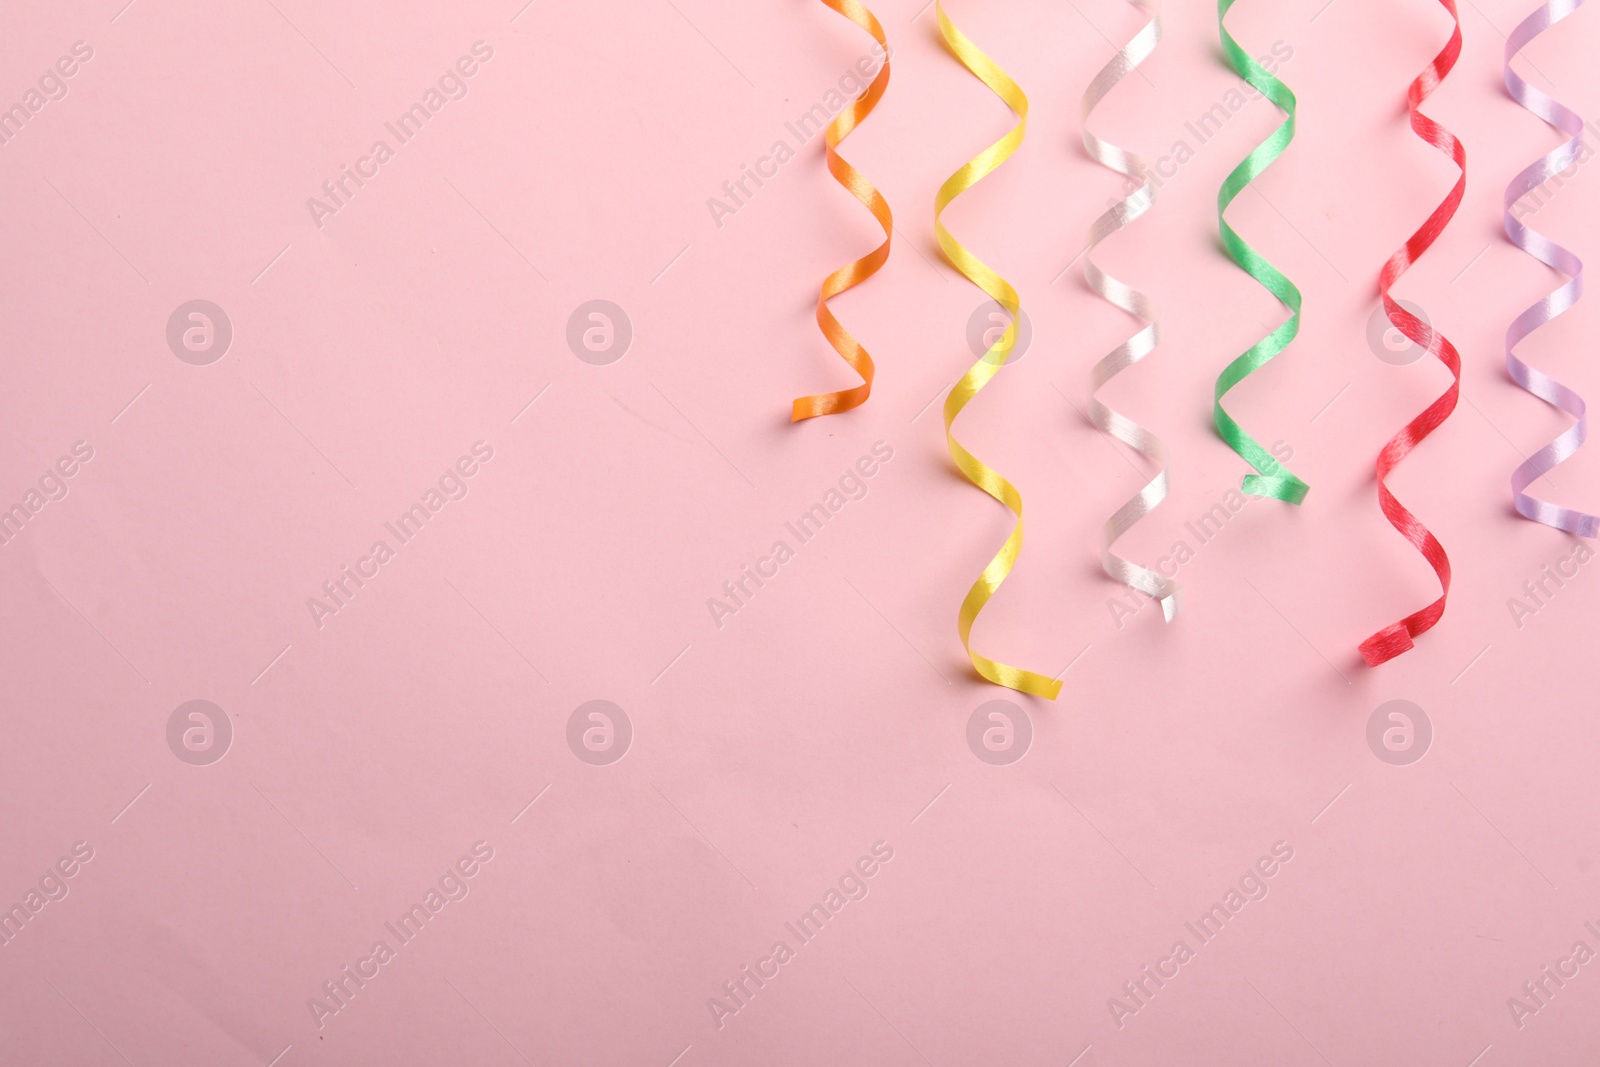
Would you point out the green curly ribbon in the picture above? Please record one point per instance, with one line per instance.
(1272, 478)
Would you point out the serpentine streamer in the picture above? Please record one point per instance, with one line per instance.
(1271, 479)
(851, 274)
(974, 269)
(1135, 303)
(1392, 640)
(1554, 256)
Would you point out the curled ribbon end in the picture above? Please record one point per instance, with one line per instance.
(1169, 607)
(1049, 692)
(810, 407)
(1386, 644)
(1289, 489)
(1038, 686)
(1015, 677)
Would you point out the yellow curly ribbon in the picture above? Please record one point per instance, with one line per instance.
(854, 273)
(974, 269)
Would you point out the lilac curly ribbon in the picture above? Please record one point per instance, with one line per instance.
(1554, 256)
(1135, 303)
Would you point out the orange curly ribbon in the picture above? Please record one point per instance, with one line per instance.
(852, 274)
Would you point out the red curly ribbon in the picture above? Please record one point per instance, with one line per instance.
(1391, 641)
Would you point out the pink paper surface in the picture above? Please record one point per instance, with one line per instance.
(430, 730)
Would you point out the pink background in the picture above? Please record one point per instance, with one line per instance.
(830, 713)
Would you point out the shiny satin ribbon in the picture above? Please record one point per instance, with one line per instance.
(974, 269)
(1135, 303)
(852, 274)
(1271, 479)
(1392, 640)
(1551, 255)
